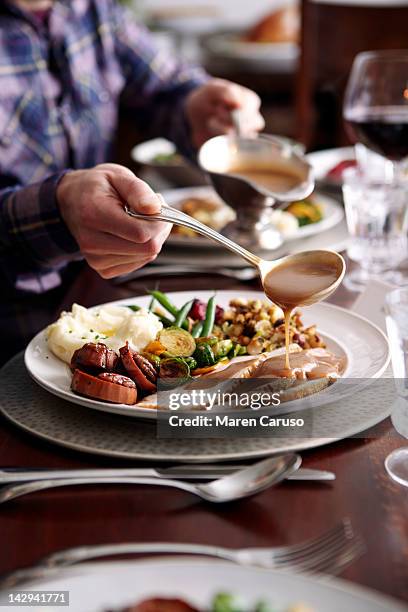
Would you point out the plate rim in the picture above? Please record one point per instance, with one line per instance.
(339, 585)
(205, 456)
(151, 414)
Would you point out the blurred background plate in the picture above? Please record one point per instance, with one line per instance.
(324, 162)
(332, 210)
(257, 56)
(163, 167)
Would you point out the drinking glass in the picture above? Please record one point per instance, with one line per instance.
(376, 105)
(377, 220)
(396, 308)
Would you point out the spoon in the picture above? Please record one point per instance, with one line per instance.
(306, 262)
(243, 483)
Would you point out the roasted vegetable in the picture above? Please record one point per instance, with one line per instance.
(210, 340)
(177, 342)
(222, 348)
(225, 602)
(174, 368)
(154, 359)
(191, 362)
(305, 211)
(198, 310)
(204, 355)
(155, 347)
(239, 350)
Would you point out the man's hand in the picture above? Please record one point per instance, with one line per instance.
(91, 204)
(209, 109)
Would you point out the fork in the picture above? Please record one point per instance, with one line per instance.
(328, 553)
(242, 274)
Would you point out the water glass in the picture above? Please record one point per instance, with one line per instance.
(396, 310)
(377, 220)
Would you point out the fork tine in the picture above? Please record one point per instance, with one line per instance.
(337, 561)
(320, 547)
(342, 560)
(330, 560)
(341, 530)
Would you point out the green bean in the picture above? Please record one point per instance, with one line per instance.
(197, 328)
(151, 305)
(165, 302)
(182, 313)
(209, 317)
(165, 320)
(168, 322)
(133, 307)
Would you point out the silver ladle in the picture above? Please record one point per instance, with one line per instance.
(264, 266)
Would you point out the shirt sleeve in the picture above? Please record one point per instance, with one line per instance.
(32, 227)
(157, 83)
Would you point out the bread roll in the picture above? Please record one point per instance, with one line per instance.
(282, 26)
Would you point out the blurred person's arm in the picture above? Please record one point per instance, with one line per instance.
(33, 236)
(77, 214)
(172, 98)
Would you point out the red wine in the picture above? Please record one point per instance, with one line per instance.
(382, 129)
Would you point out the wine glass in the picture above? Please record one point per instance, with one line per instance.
(376, 193)
(376, 105)
(396, 309)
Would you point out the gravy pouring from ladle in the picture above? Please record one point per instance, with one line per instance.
(295, 280)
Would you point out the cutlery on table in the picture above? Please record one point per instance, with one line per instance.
(242, 274)
(329, 550)
(327, 553)
(10, 475)
(238, 485)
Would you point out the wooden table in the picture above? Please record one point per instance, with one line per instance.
(38, 525)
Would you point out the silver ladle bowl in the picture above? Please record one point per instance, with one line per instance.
(251, 201)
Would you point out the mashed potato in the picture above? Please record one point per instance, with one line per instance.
(112, 325)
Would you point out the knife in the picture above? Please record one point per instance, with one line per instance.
(190, 472)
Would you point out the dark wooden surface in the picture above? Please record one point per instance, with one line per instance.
(332, 35)
(38, 525)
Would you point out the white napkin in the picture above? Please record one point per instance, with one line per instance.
(370, 303)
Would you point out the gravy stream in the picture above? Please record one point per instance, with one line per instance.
(295, 284)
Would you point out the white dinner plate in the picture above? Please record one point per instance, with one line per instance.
(96, 587)
(324, 161)
(363, 345)
(229, 46)
(333, 214)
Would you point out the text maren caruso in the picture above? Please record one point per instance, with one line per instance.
(231, 422)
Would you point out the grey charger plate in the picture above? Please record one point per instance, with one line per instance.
(48, 417)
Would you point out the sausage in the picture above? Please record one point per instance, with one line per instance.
(107, 386)
(161, 605)
(117, 379)
(134, 371)
(146, 367)
(94, 357)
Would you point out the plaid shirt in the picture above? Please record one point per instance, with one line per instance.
(60, 89)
